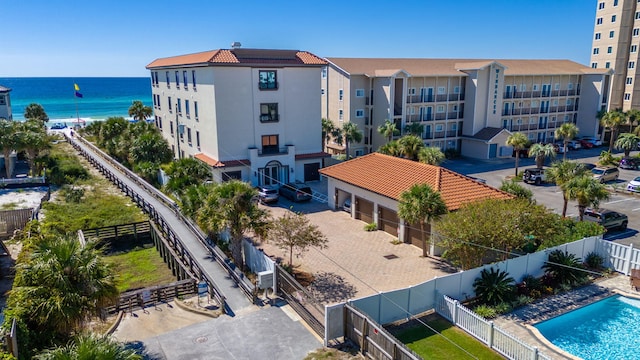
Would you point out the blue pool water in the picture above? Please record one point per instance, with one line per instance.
(607, 329)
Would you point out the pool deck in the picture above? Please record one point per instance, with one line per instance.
(519, 323)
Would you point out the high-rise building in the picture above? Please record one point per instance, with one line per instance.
(5, 103)
(616, 37)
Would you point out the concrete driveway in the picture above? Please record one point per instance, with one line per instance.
(356, 263)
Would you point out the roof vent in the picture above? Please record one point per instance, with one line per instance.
(236, 45)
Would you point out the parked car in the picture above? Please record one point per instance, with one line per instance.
(586, 144)
(609, 219)
(593, 140)
(346, 206)
(605, 174)
(588, 166)
(634, 185)
(574, 145)
(268, 194)
(559, 147)
(534, 176)
(58, 126)
(629, 163)
(296, 192)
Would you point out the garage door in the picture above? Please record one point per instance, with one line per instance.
(388, 220)
(414, 236)
(311, 172)
(364, 210)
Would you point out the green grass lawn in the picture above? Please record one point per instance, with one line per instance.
(140, 268)
(430, 345)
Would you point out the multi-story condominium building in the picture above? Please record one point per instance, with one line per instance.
(616, 38)
(468, 105)
(250, 114)
(5, 103)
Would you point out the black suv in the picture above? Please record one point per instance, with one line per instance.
(609, 219)
(534, 176)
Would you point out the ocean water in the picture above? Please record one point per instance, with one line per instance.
(102, 97)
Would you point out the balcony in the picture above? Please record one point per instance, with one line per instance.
(271, 151)
(269, 118)
(268, 85)
(416, 99)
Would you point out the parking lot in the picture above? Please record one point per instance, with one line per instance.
(551, 196)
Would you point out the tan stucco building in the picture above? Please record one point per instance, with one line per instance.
(463, 104)
(250, 114)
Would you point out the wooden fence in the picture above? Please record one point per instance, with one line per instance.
(140, 299)
(134, 234)
(12, 220)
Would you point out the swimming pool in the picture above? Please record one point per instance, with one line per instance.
(607, 329)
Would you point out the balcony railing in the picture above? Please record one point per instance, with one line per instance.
(273, 151)
(269, 117)
(268, 85)
(414, 99)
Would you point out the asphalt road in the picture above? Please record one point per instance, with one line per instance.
(495, 171)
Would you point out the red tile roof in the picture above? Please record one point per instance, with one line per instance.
(391, 176)
(312, 155)
(218, 164)
(240, 56)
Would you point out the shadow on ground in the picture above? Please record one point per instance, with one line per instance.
(330, 288)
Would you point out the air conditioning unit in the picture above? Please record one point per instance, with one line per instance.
(265, 279)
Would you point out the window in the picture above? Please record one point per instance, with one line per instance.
(566, 118)
(519, 122)
(637, 15)
(171, 127)
(340, 114)
(534, 103)
(168, 81)
(231, 175)
(179, 107)
(612, 33)
(557, 86)
(570, 86)
(627, 96)
(189, 136)
(607, 65)
(613, 18)
(198, 139)
(456, 89)
(599, 21)
(195, 109)
(160, 122)
(359, 113)
(454, 126)
(340, 94)
(634, 48)
(615, 2)
(601, 6)
(439, 127)
(322, 92)
(636, 32)
(359, 92)
(523, 87)
(412, 91)
(594, 65)
(324, 72)
(441, 90)
(596, 51)
(632, 64)
(598, 35)
(170, 109)
(455, 108)
(178, 79)
(268, 80)
(440, 108)
(629, 80)
(269, 112)
(555, 102)
(184, 79)
(270, 144)
(609, 49)
(569, 101)
(186, 108)
(193, 79)
(535, 87)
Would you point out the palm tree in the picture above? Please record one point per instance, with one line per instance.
(566, 132)
(64, 283)
(633, 116)
(388, 130)
(518, 141)
(411, 145)
(431, 155)
(90, 347)
(421, 204)
(351, 134)
(327, 128)
(150, 147)
(627, 142)
(541, 152)
(414, 128)
(587, 191)
(138, 111)
(35, 111)
(7, 142)
(561, 173)
(392, 148)
(31, 136)
(231, 206)
(337, 135)
(612, 121)
(514, 188)
(186, 172)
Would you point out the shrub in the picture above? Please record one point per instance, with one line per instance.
(494, 287)
(371, 227)
(73, 194)
(503, 308)
(523, 300)
(486, 312)
(593, 261)
(451, 154)
(529, 283)
(564, 268)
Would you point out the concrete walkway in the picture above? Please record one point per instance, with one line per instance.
(236, 300)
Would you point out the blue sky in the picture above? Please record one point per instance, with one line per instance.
(118, 38)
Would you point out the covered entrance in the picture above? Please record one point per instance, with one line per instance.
(388, 220)
(364, 210)
(274, 173)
